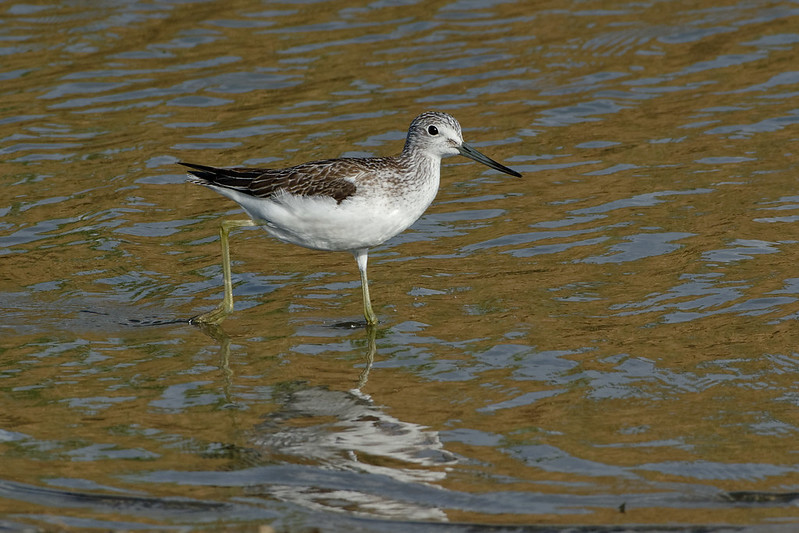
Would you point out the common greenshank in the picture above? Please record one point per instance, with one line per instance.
(347, 204)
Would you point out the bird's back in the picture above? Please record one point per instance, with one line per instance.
(317, 178)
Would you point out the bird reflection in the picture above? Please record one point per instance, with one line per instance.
(341, 432)
(345, 432)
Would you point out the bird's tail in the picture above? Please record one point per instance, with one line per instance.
(228, 178)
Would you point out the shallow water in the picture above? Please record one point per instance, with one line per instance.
(609, 340)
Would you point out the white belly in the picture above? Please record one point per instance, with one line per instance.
(320, 223)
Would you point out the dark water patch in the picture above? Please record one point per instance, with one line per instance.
(181, 509)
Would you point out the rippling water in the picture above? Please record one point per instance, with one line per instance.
(607, 341)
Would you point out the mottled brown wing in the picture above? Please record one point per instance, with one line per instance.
(319, 178)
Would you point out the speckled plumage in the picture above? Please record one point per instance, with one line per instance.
(347, 204)
(318, 178)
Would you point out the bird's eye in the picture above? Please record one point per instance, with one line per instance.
(432, 130)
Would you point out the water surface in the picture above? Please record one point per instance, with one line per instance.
(608, 341)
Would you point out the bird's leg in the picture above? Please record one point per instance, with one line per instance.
(361, 257)
(217, 315)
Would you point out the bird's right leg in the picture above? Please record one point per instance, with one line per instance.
(361, 257)
(217, 315)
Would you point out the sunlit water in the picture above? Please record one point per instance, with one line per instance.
(610, 340)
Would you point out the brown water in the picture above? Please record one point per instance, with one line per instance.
(610, 340)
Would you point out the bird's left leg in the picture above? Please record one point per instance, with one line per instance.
(217, 315)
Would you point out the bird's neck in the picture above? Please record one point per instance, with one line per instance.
(421, 170)
(415, 159)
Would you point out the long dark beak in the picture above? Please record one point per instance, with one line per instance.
(471, 153)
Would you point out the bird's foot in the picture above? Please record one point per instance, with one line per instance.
(211, 318)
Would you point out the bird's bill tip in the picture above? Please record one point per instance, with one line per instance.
(467, 151)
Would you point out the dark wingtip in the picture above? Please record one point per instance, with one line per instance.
(200, 174)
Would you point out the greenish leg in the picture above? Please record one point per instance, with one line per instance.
(361, 257)
(217, 315)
